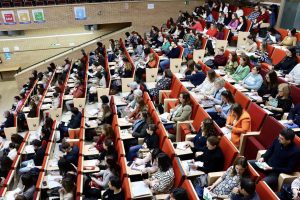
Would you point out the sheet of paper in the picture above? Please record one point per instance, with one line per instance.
(181, 145)
(139, 188)
(137, 167)
(29, 149)
(207, 195)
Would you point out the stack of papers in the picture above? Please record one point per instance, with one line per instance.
(93, 112)
(137, 167)
(53, 181)
(164, 117)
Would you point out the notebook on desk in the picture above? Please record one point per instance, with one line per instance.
(140, 189)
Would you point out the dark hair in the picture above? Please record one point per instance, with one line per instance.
(64, 166)
(273, 79)
(228, 95)
(246, 59)
(48, 122)
(208, 127)
(17, 139)
(293, 31)
(179, 194)
(109, 131)
(164, 162)
(65, 145)
(242, 161)
(155, 152)
(18, 98)
(36, 143)
(248, 185)
(74, 110)
(152, 127)
(68, 184)
(293, 52)
(115, 181)
(211, 75)
(104, 99)
(108, 142)
(168, 73)
(12, 145)
(112, 165)
(27, 180)
(288, 134)
(237, 109)
(258, 68)
(186, 97)
(213, 140)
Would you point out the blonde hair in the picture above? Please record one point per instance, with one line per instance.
(285, 89)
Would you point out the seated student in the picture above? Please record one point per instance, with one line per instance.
(18, 102)
(5, 166)
(273, 36)
(107, 115)
(137, 112)
(207, 129)
(33, 110)
(232, 63)
(77, 92)
(189, 39)
(67, 169)
(219, 60)
(108, 150)
(138, 94)
(218, 36)
(238, 122)
(150, 161)
(17, 139)
(12, 151)
(67, 190)
(281, 157)
(270, 85)
(253, 80)
(115, 189)
(262, 55)
(174, 53)
(245, 191)
(294, 75)
(165, 48)
(239, 11)
(99, 180)
(151, 141)
(218, 89)
(178, 194)
(290, 39)
(206, 88)
(250, 46)
(9, 122)
(221, 18)
(212, 157)
(46, 129)
(37, 159)
(289, 62)
(190, 67)
(197, 76)
(72, 152)
(182, 111)
(234, 22)
(282, 102)
(139, 127)
(243, 69)
(294, 116)
(196, 25)
(74, 123)
(56, 100)
(220, 113)
(105, 132)
(28, 189)
(254, 14)
(162, 181)
(230, 179)
(162, 84)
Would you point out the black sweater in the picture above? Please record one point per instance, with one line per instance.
(213, 160)
(283, 159)
(295, 114)
(152, 141)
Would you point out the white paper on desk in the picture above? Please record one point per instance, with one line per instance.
(46, 106)
(239, 87)
(181, 146)
(262, 165)
(164, 116)
(47, 100)
(11, 194)
(92, 123)
(53, 163)
(207, 195)
(29, 149)
(227, 132)
(53, 184)
(88, 163)
(139, 188)
(93, 112)
(137, 167)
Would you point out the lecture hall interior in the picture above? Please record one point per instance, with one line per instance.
(140, 99)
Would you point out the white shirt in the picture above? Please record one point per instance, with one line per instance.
(12, 154)
(239, 12)
(295, 74)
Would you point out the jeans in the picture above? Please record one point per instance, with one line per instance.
(271, 177)
(164, 64)
(26, 166)
(132, 153)
(63, 130)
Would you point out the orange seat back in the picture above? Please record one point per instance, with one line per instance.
(229, 151)
(265, 192)
(277, 56)
(242, 99)
(258, 115)
(178, 172)
(188, 186)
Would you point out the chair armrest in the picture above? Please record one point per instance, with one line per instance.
(166, 101)
(160, 94)
(161, 196)
(189, 137)
(260, 153)
(287, 178)
(213, 176)
(244, 139)
(284, 116)
(178, 132)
